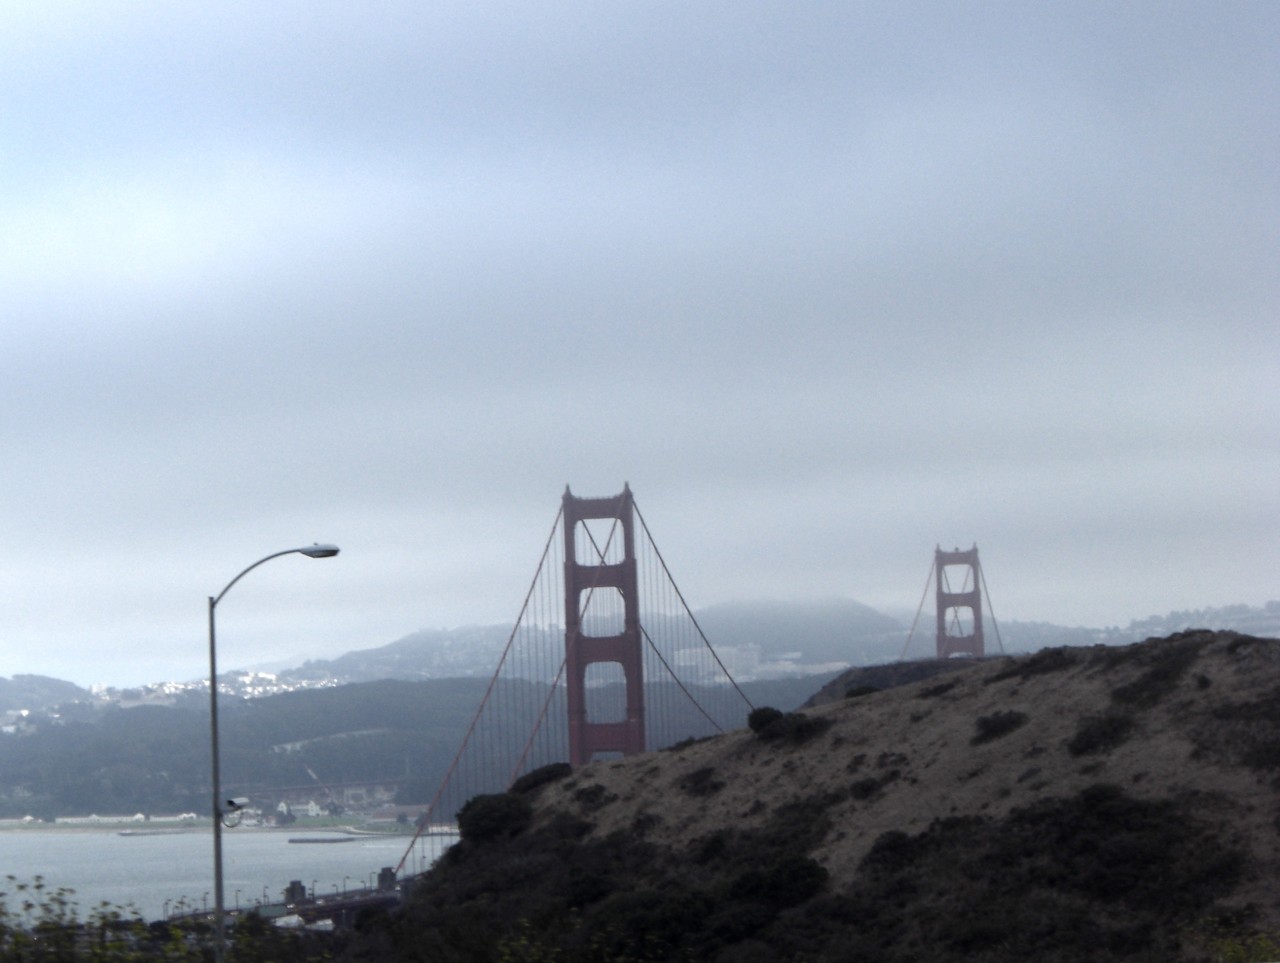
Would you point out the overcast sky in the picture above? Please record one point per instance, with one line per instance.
(827, 283)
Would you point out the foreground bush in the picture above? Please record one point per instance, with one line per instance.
(789, 726)
(493, 816)
(1099, 876)
(39, 924)
(760, 718)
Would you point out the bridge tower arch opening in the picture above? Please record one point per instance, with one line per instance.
(602, 624)
(959, 610)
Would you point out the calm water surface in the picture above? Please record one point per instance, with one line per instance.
(151, 873)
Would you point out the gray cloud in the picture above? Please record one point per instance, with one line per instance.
(827, 285)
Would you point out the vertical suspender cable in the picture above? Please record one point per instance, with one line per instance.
(488, 692)
(994, 624)
(685, 605)
(927, 579)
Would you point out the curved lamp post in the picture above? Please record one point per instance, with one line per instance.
(311, 551)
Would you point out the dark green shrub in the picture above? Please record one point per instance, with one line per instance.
(870, 786)
(732, 927)
(1244, 642)
(489, 817)
(760, 718)
(1265, 710)
(650, 924)
(798, 826)
(1100, 734)
(1247, 732)
(1171, 660)
(786, 882)
(865, 788)
(711, 847)
(586, 888)
(891, 852)
(644, 822)
(701, 782)
(1099, 876)
(593, 796)
(794, 727)
(1263, 755)
(997, 724)
(541, 777)
(1043, 662)
(933, 691)
(685, 743)
(565, 826)
(855, 691)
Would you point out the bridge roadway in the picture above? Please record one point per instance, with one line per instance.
(341, 909)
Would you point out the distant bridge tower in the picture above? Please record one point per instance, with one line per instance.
(582, 581)
(951, 604)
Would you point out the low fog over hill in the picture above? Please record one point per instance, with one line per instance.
(757, 640)
(772, 639)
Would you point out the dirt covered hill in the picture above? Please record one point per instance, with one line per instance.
(1078, 803)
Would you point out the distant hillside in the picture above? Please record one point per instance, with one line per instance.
(830, 631)
(154, 759)
(426, 654)
(149, 758)
(1099, 804)
(37, 692)
(757, 640)
(772, 639)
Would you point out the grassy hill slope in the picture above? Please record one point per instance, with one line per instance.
(1102, 804)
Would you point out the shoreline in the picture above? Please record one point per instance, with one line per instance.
(203, 826)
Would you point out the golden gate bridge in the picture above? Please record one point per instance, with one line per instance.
(606, 658)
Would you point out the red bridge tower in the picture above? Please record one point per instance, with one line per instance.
(581, 581)
(951, 604)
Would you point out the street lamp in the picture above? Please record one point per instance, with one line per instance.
(311, 551)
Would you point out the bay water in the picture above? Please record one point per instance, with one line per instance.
(162, 873)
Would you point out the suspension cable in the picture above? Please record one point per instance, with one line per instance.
(924, 595)
(493, 681)
(688, 611)
(994, 624)
(537, 725)
(680, 682)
